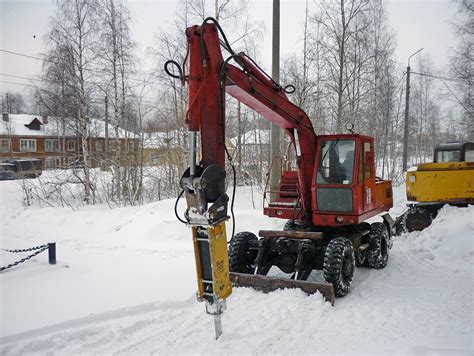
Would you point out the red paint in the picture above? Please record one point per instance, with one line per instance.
(255, 89)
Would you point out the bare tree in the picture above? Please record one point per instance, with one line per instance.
(462, 67)
(13, 103)
(339, 22)
(116, 64)
(71, 40)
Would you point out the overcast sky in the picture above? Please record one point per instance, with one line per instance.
(417, 23)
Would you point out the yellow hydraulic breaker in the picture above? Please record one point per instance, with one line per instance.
(206, 214)
(212, 266)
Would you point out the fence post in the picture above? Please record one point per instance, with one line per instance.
(52, 253)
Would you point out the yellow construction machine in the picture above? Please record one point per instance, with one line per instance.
(449, 179)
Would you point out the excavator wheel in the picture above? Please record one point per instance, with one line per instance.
(417, 219)
(339, 265)
(379, 245)
(241, 257)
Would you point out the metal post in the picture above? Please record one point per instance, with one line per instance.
(275, 130)
(407, 114)
(405, 131)
(52, 253)
(192, 153)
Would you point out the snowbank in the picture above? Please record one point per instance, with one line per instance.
(125, 283)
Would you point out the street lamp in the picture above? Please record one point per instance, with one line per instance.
(407, 111)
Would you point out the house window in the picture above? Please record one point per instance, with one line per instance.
(51, 145)
(98, 146)
(28, 145)
(71, 161)
(130, 145)
(4, 145)
(154, 157)
(71, 145)
(52, 162)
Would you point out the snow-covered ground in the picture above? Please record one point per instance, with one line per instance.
(125, 284)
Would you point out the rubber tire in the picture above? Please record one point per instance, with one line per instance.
(379, 245)
(417, 219)
(240, 257)
(339, 265)
(399, 225)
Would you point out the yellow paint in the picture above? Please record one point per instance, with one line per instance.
(445, 166)
(441, 182)
(222, 285)
(220, 261)
(197, 257)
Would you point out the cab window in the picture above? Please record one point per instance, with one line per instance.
(367, 161)
(336, 162)
(469, 153)
(448, 156)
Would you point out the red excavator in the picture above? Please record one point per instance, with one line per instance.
(326, 200)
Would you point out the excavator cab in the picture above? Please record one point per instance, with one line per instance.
(345, 189)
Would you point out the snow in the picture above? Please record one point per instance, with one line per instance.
(125, 284)
(53, 127)
(164, 139)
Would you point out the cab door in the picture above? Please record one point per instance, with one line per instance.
(366, 175)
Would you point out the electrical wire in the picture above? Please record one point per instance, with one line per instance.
(176, 207)
(176, 64)
(222, 87)
(181, 76)
(85, 69)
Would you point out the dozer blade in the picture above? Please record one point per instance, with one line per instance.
(269, 284)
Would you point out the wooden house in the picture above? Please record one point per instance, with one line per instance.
(56, 143)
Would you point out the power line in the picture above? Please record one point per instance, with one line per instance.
(46, 80)
(436, 77)
(444, 80)
(99, 99)
(85, 69)
(5, 81)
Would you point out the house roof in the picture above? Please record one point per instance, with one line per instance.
(162, 139)
(253, 137)
(17, 125)
(170, 139)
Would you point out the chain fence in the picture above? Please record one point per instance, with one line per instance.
(51, 247)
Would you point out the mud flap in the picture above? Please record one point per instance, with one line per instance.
(269, 284)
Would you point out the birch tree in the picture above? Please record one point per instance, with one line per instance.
(71, 40)
(462, 67)
(116, 64)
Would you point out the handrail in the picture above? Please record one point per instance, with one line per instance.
(282, 159)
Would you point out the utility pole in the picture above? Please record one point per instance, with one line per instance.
(407, 114)
(275, 172)
(8, 104)
(106, 141)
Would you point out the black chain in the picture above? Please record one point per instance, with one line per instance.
(26, 249)
(38, 248)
